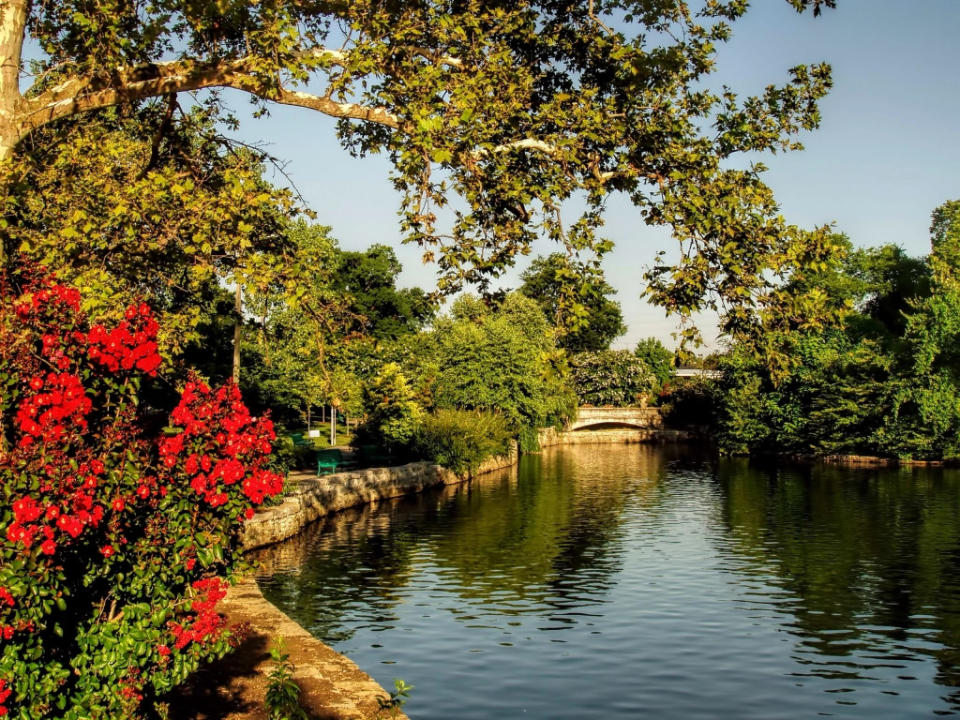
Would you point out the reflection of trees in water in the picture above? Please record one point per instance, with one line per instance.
(605, 483)
(552, 540)
(344, 572)
(539, 539)
(862, 553)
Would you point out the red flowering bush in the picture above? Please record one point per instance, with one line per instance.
(114, 547)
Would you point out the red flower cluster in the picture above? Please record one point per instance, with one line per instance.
(220, 445)
(132, 344)
(207, 622)
(7, 631)
(73, 511)
(49, 415)
(4, 694)
(52, 294)
(80, 474)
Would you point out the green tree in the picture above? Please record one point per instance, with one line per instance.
(925, 420)
(393, 413)
(575, 299)
(152, 203)
(295, 332)
(835, 400)
(658, 359)
(512, 108)
(382, 311)
(611, 377)
(500, 359)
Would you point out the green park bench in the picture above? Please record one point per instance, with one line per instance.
(333, 460)
(300, 440)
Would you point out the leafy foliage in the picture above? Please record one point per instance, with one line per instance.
(283, 693)
(393, 414)
(148, 203)
(513, 109)
(398, 698)
(657, 357)
(689, 403)
(501, 360)
(574, 299)
(462, 439)
(611, 377)
(381, 310)
(887, 383)
(834, 401)
(113, 544)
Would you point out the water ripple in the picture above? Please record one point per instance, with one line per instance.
(642, 582)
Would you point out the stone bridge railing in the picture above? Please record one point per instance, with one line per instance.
(633, 417)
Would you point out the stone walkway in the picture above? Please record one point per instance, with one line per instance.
(332, 686)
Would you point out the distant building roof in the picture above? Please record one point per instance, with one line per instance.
(697, 372)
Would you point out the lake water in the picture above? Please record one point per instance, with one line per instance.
(644, 582)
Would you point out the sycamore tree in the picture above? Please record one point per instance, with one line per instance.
(511, 109)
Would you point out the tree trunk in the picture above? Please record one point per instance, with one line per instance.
(308, 417)
(237, 329)
(333, 426)
(13, 18)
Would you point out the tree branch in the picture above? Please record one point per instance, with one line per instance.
(92, 92)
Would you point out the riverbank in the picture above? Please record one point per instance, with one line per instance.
(869, 461)
(332, 685)
(310, 497)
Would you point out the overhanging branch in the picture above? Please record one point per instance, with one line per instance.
(92, 92)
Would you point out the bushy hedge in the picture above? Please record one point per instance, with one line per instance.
(462, 439)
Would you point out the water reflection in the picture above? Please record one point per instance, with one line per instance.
(517, 542)
(639, 581)
(869, 560)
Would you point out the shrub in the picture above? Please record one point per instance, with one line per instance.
(288, 456)
(393, 413)
(462, 439)
(283, 693)
(114, 547)
(689, 403)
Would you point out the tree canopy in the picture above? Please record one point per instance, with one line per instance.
(150, 203)
(886, 382)
(575, 299)
(499, 359)
(368, 279)
(511, 108)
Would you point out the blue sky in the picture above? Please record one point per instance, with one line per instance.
(886, 154)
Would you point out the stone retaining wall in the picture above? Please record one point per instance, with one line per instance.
(332, 687)
(310, 497)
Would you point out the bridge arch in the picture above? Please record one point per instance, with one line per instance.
(602, 417)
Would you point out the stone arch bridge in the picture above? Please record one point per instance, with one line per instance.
(595, 418)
